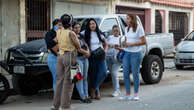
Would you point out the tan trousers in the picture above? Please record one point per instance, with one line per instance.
(64, 85)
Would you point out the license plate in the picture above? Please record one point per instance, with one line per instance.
(19, 69)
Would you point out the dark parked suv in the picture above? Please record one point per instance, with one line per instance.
(28, 65)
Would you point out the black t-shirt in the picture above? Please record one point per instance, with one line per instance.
(82, 44)
(50, 43)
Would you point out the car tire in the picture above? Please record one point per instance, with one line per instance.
(152, 69)
(25, 85)
(4, 88)
(179, 67)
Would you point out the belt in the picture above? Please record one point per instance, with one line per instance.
(65, 52)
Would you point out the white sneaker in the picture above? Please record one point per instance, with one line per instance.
(136, 98)
(126, 97)
(116, 93)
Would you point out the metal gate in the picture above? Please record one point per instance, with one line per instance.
(158, 22)
(38, 18)
(178, 25)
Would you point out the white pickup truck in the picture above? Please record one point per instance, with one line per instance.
(157, 46)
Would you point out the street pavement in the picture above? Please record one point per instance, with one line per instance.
(174, 92)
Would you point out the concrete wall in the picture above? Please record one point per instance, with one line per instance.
(22, 14)
(9, 24)
(148, 21)
(77, 7)
(0, 31)
(193, 19)
(163, 14)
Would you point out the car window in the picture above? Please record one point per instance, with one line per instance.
(190, 36)
(108, 24)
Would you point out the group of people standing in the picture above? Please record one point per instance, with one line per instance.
(66, 38)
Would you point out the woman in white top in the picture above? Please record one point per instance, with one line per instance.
(135, 38)
(98, 47)
(111, 58)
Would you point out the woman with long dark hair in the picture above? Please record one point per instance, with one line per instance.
(135, 38)
(98, 47)
(82, 60)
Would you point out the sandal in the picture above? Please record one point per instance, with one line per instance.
(89, 100)
(98, 97)
(93, 94)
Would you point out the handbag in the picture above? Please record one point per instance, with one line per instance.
(75, 74)
(99, 53)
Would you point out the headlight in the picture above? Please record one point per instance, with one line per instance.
(44, 58)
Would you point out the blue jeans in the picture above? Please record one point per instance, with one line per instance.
(97, 73)
(131, 63)
(52, 64)
(113, 67)
(82, 86)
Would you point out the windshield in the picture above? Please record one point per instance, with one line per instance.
(190, 37)
(83, 22)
